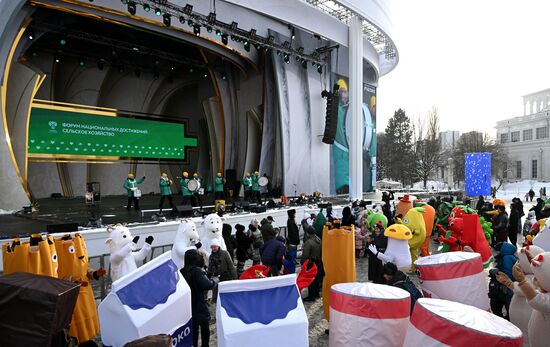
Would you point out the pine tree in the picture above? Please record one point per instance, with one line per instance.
(399, 144)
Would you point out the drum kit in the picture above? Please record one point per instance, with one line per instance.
(194, 186)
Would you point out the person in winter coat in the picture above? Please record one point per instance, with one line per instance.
(243, 246)
(186, 194)
(480, 202)
(220, 266)
(292, 229)
(257, 241)
(529, 221)
(165, 191)
(131, 185)
(500, 225)
(360, 239)
(268, 232)
(272, 253)
(500, 296)
(375, 270)
(538, 208)
(230, 241)
(514, 222)
(199, 283)
(531, 194)
(312, 252)
(347, 217)
(395, 278)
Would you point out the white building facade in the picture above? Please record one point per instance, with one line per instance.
(526, 140)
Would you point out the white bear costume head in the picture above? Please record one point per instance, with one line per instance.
(186, 237)
(524, 262)
(212, 229)
(119, 236)
(541, 268)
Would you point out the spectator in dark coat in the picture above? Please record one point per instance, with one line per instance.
(500, 296)
(513, 222)
(480, 202)
(221, 266)
(531, 194)
(347, 217)
(538, 208)
(399, 279)
(312, 252)
(268, 232)
(500, 225)
(230, 241)
(375, 270)
(199, 283)
(243, 247)
(272, 253)
(293, 233)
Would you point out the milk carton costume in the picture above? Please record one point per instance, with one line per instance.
(186, 237)
(397, 251)
(122, 244)
(539, 324)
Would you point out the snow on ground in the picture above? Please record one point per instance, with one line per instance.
(510, 190)
(6, 211)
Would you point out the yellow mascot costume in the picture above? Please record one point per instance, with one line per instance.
(36, 256)
(415, 222)
(73, 266)
(338, 253)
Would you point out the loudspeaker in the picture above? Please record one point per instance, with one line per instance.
(324, 204)
(56, 196)
(185, 210)
(62, 228)
(331, 119)
(245, 205)
(258, 209)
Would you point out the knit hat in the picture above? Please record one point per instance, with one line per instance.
(215, 242)
(291, 213)
(239, 227)
(390, 269)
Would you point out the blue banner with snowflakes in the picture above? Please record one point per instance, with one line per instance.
(477, 174)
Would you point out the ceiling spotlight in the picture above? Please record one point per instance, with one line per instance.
(57, 58)
(304, 63)
(205, 75)
(218, 32)
(182, 19)
(224, 39)
(293, 36)
(190, 22)
(191, 70)
(286, 58)
(271, 39)
(100, 64)
(188, 9)
(132, 8)
(224, 75)
(319, 68)
(166, 19)
(246, 46)
(158, 12)
(30, 34)
(197, 30)
(113, 52)
(81, 62)
(63, 42)
(209, 29)
(146, 8)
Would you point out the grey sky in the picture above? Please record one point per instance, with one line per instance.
(473, 59)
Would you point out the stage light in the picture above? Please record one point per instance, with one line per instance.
(209, 29)
(34, 54)
(293, 36)
(100, 64)
(224, 75)
(286, 58)
(246, 46)
(205, 75)
(138, 73)
(57, 58)
(304, 63)
(319, 68)
(182, 19)
(224, 39)
(166, 19)
(121, 68)
(218, 32)
(132, 8)
(62, 42)
(191, 70)
(81, 62)
(30, 34)
(257, 46)
(113, 52)
(188, 9)
(197, 30)
(278, 53)
(146, 8)
(158, 12)
(271, 39)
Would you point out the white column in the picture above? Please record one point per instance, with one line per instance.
(355, 95)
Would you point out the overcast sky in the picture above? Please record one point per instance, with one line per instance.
(473, 59)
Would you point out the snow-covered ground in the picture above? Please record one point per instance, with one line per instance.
(518, 189)
(6, 211)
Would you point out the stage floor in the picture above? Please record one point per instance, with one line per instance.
(112, 209)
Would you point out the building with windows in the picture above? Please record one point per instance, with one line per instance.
(526, 139)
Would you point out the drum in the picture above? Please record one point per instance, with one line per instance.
(368, 314)
(436, 322)
(455, 276)
(193, 185)
(137, 193)
(263, 181)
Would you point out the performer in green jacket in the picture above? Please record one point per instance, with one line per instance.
(218, 187)
(165, 191)
(185, 192)
(131, 186)
(247, 184)
(256, 188)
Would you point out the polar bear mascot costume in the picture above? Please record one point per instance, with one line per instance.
(123, 244)
(187, 237)
(212, 229)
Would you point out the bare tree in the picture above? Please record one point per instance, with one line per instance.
(427, 146)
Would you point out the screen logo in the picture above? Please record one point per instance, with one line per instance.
(53, 126)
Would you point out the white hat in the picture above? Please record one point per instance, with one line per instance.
(215, 242)
(255, 222)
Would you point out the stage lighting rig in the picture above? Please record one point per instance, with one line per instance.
(146, 8)
(158, 12)
(188, 9)
(224, 39)
(197, 30)
(167, 19)
(132, 8)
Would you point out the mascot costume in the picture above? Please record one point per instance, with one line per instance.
(415, 222)
(453, 237)
(213, 225)
(397, 251)
(403, 206)
(429, 217)
(186, 237)
(542, 239)
(73, 267)
(338, 247)
(37, 256)
(122, 244)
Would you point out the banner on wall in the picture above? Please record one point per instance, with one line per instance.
(340, 148)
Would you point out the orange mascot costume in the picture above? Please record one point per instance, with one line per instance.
(429, 217)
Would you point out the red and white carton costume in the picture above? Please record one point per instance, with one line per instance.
(368, 314)
(455, 276)
(539, 324)
(436, 322)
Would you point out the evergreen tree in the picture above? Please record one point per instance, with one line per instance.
(399, 144)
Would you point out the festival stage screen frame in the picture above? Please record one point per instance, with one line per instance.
(64, 132)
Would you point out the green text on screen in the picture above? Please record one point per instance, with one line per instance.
(60, 132)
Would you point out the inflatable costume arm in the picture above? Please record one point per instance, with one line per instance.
(541, 302)
(142, 253)
(118, 256)
(385, 258)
